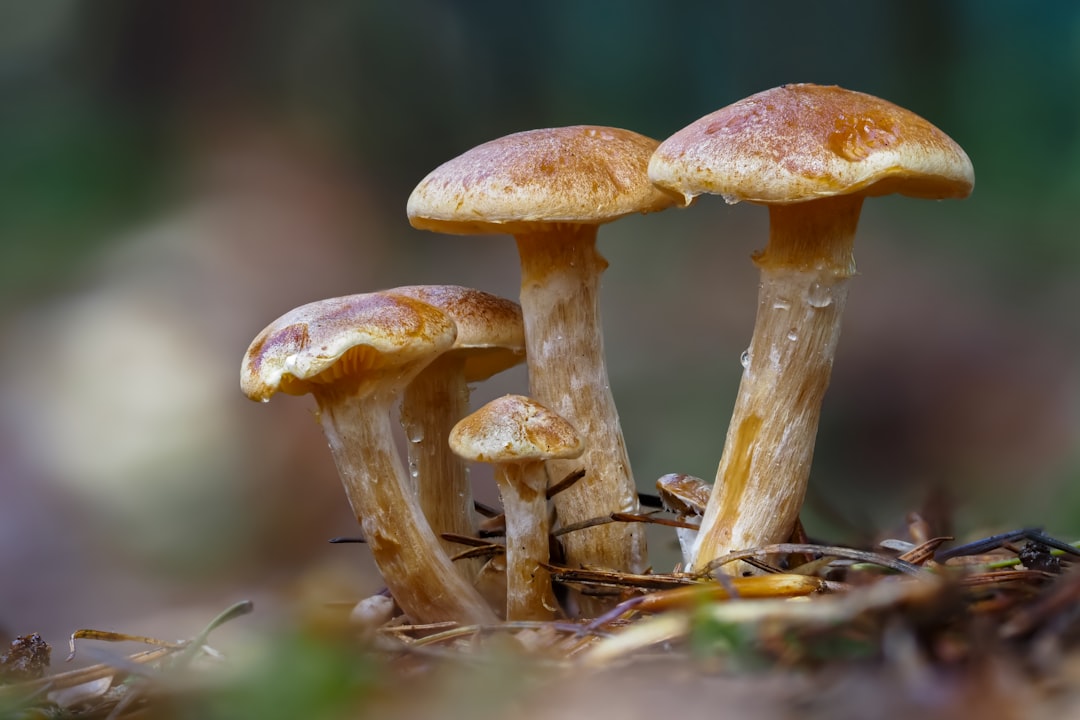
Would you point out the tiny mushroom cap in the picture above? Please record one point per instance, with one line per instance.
(812, 154)
(490, 339)
(684, 495)
(551, 189)
(515, 429)
(517, 434)
(354, 355)
(803, 142)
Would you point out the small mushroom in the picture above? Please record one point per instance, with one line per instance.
(516, 435)
(811, 154)
(686, 496)
(551, 189)
(355, 354)
(371, 613)
(490, 339)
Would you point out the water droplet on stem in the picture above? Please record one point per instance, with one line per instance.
(819, 295)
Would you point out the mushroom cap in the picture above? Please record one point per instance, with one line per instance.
(800, 142)
(344, 339)
(490, 331)
(683, 494)
(512, 429)
(581, 174)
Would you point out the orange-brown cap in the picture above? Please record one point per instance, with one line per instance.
(490, 331)
(518, 183)
(514, 428)
(683, 494)
(325, 341)
(800, 142)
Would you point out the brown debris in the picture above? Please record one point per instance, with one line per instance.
(28, 659)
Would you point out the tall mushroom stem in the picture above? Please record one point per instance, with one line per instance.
(764, 469)
(560, 282)
(523, 488)
(432, 403)
(417, 572)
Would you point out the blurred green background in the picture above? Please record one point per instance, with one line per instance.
(175, 174)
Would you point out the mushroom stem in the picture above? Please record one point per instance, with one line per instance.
(417, 572)
(560, 282)
(523, 489)
(763, 472)
(432, 403)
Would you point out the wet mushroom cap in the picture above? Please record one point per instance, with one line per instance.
(801, 142)
(321, 342)
(581, 174)
(514, 428)
(490, 331)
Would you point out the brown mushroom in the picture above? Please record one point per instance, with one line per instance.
(811, 154)
(490, 339)
(686, 496)
(551, 189)
(516, 435)
(355, 354)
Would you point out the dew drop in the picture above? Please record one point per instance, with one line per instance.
(792, 335)
(819, 295)
(744, 359)
(414, 469)
(415, 433)
(781, 305)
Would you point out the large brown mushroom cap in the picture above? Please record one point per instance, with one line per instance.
(800, 142)
(490, 331)
(581, 174)
(321, 342)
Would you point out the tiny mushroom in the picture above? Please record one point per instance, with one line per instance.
(355, 354)
(490, 339)
(516, 435)
(372, 613)
(811, 154)
(551, 189)
(686, 496)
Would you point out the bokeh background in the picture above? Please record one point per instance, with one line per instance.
(175, 174)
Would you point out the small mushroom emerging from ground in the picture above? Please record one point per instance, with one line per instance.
(516, 435)
(355, 354)
(372, 613)
(811, 154)
(551, 189)
(687, 497)
(490, 339)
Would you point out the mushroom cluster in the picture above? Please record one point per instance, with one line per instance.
(808, 152)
